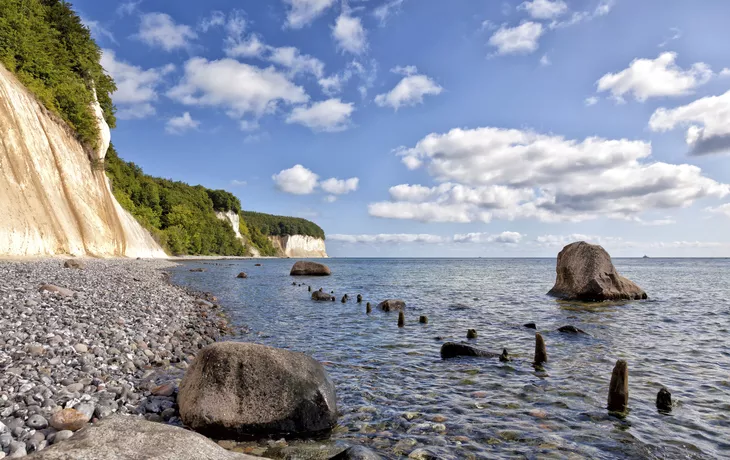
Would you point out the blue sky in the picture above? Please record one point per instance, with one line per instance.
(438, 128)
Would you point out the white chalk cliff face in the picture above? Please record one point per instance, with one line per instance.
(233, 219)
(299, 246)
(52, 198)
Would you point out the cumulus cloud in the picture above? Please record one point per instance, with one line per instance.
(515, 174)
(292, 59)
(350, 35)
(409, 91)
(251, 46)
(303, 12)
(646, 78)
(578, 17)
(178, 125)
(707, 119)
(296, 180)
(136, 87)
(522, 39)
(331, 115)
(591, 101)
(422, 238)
(722, 209)
(544, 9)
(160, 30)
(238, 88)
(384, 11)
(503, 238)
(340, 186)
(559, 241)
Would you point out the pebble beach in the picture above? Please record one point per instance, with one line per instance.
(115, 338)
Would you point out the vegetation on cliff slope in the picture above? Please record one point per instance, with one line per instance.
(281, 225)
(45, 44)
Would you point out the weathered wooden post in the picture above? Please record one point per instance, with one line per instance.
(664, 400)
(368, 308)
(540, 351)
(618, 389)
(359, 298)
(423, 319)
(401, 319)
(471, 334)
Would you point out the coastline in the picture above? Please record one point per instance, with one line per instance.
(119, 343)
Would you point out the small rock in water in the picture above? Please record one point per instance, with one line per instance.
(392, 305)
(664, 400)
(471, 334)
(540, 350)
(570, 330)
(530, 326)
(504, 357)
(197, 270)
(359, 298)
(242, 275)
(423, 319)
(368, 308)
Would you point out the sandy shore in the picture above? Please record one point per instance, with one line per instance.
(118, 342)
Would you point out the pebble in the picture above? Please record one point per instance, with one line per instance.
(37, 422)
(81, 348)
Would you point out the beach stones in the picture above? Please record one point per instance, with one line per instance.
(63, 292)
(237, 390)
(453, 349)
(37, 422)
(306, 268)
(585, 273)
(322, 296)
(392, 305)
(131, 438)
(69, 419)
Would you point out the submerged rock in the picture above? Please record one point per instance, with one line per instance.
(357, 453)
(238, 390)
(471, 334)
(392, 305)
(585, 272)
(664, 400)
(242, 275)
(306, 268)
(454, 349)
(322, 296)
(197, 270)
(129, 438)
(571, 330)
(530, 325)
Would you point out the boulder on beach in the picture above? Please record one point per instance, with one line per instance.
(585, 272)
(306, 268)
(322, 296)
(63, 292)
(130, 438)
(454, 349)
(237, 390)
(74, 263)
(392, 305)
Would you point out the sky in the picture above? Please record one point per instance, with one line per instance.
(433, 128)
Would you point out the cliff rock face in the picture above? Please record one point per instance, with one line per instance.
(299, 246)
(233, 219)
(54, 196)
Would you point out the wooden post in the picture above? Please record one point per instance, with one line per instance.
(423, 319)
(401, 319)
(618, 390)
(471, 334)
(540, 351)
(368, 308)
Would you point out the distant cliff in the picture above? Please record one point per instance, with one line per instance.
(299, 246)
(53, 198)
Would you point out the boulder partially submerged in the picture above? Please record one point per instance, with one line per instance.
(392, 305)
(239, 390)
(453, 349)
(130, 438)
(322, 296)
(585, 273)
(306, 268)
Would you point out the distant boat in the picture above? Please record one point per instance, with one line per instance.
(645, 257)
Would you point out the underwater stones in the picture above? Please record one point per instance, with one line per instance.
(357, 453)
(306, 268)
(618, 389)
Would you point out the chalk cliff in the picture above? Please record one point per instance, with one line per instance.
(54, 195)
(299, 246)
(233, 219)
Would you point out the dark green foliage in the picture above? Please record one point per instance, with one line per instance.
(52, 53)
(224, 201)
(282, 225)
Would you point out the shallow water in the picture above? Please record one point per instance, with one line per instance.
(395, 393)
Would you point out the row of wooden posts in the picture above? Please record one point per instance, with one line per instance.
(618, 388)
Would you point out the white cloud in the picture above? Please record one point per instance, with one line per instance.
(350, 34)
(724, 73)
(578, 17)
(331, 115)
(676, 35)
(409, 91)
(128, 8)
(517, 174)
(293, 60)
(544, 9)
(237, 87)
(384, 11)
(238, 183)
(645, 78)
(216, 19)
(340, 186)
(708, 121)
(252, 46)
(545, 60)
(559, 241)
(591, 101)
(330, 199)
(296, 180)
(389, 238)
(160, 30)
(178, 125)
(722, 209)
(136, 87)
(502, 238)
(303, 12)
(522, 39)
(98, 31)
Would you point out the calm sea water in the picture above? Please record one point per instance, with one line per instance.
(395, 394)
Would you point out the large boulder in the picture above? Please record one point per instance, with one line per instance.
(392, 305)
(239, 390)
(453, 350)
(306, 268)
(322, 296)
(585, 272)
(130, 438)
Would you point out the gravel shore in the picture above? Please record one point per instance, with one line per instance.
(119, 342)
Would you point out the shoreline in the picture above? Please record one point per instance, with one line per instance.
(120, 343)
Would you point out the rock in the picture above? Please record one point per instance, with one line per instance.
(242, 275)
(504, 357)
(618, 390)
(570, 330)
(471, 334)
(105, 408)
(322, 296)
(166, 389)
(306, 268)
(69, 419)
(197, 270)
(423, 319)
(74, 263)
(63, 435)
(344, 298)
(37, 422)
(540, 350)
(86, 408)
(453, 349)
(81, 348)
(530, 326)
(368, 308)
(664, 400)
(235, 390)
(17, 449)
(359, 298)
(129, 438)
(392, 305)
(257, 265)
(357, 453)
(585, 272)
(63, 292)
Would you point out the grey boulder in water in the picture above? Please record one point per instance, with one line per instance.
(585, 272)
(306, 268)
(392, 305)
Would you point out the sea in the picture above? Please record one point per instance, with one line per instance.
(396, 395)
